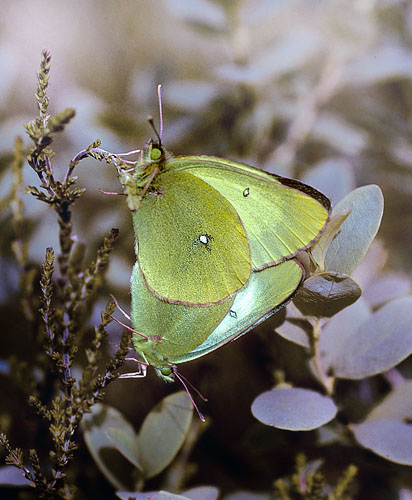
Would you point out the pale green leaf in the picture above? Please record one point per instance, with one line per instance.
(126, 443)
(324, 295)
(112, 464)
(149, 495)
(294, 409)
(340, 330)
(378, 344)
(163, 432)
(295, 330)
(202, 493)
(349, 246)
(390, 439)
(12, 476)
(387, 287)
(319, 248)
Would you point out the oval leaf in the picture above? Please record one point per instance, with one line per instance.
(386, 288)
(149, 495)
(202, 493)
(339, 330)
(163, 432)
(126, 443)
(390, 439)
(295, 330)
(349, 246)
(114, 467)
(199, 493)
(12, 476)
(319, 248)
(324, 295)
(293, 409)
(379, 343)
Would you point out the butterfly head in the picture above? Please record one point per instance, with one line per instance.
(166, 373)
(155, 152)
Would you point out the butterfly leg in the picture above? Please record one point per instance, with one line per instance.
(142, 370)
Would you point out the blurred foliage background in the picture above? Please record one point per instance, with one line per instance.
(315, 89)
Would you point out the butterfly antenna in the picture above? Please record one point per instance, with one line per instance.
(129, 327)
(117, 304)
(201, 416)
(159, 100)
(193, 387)
(159, 134)
(151, 123)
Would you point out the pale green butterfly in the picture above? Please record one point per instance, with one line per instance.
(216, 243)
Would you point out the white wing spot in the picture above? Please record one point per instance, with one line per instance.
(203, 240)
(246, 192)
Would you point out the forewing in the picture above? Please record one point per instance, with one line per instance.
(191, 244)
(280, 216)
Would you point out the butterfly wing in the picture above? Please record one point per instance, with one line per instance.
(266, 292)
(180, 327)
(281, 216)
(189, 332)
(191, 244)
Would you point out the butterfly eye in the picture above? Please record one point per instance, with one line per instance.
(165, 370)
(155, 154)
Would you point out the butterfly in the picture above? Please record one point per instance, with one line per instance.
(216, 244)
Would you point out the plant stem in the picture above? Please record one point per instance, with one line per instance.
(327, 382)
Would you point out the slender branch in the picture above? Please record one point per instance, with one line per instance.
(327, 382)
